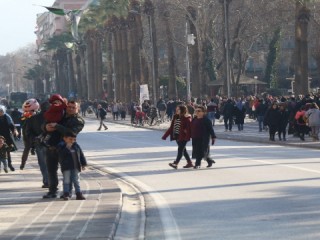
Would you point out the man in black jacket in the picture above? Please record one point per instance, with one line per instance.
(71, 122)
(33, 130)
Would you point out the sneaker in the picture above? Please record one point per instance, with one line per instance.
(210, 162)
(189, 165)
(196, 167)
(66, 196)
(173, 165)
(80, 196)
(50, 195)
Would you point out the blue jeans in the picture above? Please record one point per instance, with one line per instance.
(211, 116)
(5, 163)
(260, 121)
(41, 155)
(71, 177)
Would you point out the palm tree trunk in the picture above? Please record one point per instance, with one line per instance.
(172, 85)
(301, 48)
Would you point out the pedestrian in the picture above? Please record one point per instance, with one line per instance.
(180, 131)
(123, 111)
(313, 119)
(272, 119)
(102, 113)
(261, 110)
(30, 108)
(4, 149)
(16, 116)
(212, 108)
(72, 122)
(240, 114)
(284, 120)
(115, 111)
(72, 161)
(34, 131)
(228, 112)
(7, 130)
(152, 114)
(201, 132)
(162, 108)
(133, 109)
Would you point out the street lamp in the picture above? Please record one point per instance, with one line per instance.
(152, 55)
(8, 87)
(255, 85)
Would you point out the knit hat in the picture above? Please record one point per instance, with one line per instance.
(55, 97)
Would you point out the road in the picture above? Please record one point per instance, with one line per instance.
(254, 191)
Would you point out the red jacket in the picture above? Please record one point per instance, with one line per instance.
(184, 132)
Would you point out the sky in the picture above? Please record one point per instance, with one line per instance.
(18, 22)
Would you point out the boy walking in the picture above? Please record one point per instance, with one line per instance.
(4, 149)
(72, 161)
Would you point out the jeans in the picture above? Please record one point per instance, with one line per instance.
(211, 116)
(52, 166)
(182, 151)
(5, 163)
(260, 121)
(71, 177)
(41, 155)
(102, 123)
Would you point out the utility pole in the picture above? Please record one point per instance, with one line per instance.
(188, 65)
(226, 30)
(114, 79)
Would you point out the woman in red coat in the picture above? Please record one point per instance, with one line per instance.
(180, 131)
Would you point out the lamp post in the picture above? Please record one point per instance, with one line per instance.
(154, 92)
(255, 85)
(226, 30)
(8, 88)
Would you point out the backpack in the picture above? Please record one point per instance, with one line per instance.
(103, 112)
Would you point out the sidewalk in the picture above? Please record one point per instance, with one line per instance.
(25, 215)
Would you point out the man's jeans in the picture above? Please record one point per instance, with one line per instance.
(260, 121)
(211, 116)
(69, 177)
(41, 155)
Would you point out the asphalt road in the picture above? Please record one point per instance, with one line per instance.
(254, 191)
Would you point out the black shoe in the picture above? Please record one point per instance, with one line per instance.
(106, 128)
(173, 165)
(99, 129)
(50, 195)
(11, 168)
(23, 164)
(45, 186)
(196, 167)
(210, 162)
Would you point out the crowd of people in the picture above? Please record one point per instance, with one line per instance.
(49, 129)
